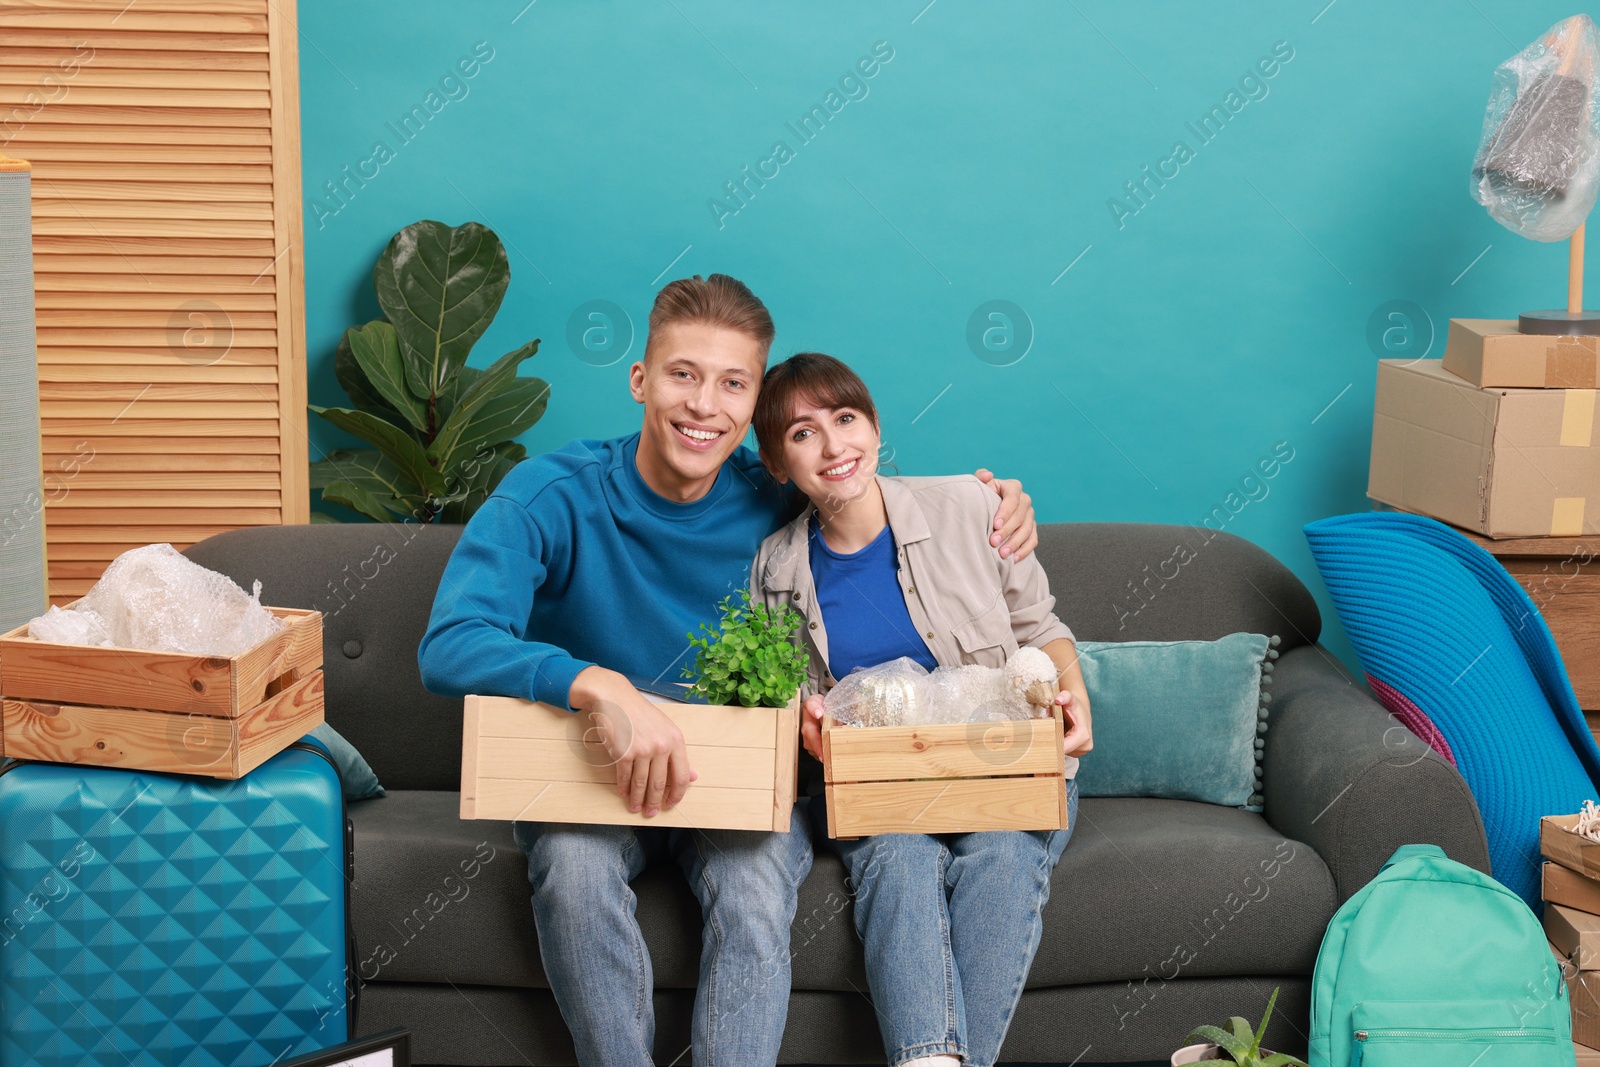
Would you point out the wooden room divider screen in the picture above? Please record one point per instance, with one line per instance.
(165, 142)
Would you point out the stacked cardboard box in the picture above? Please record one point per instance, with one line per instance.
(1571, 892)
(1497, 437)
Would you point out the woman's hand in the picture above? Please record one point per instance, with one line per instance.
(811, 725)
(1079, 737)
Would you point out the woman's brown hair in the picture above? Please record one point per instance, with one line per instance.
(821, 379)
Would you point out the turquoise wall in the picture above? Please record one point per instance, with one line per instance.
(1222, 315)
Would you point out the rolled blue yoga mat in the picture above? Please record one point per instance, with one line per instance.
(1437, 620)
(22, 576)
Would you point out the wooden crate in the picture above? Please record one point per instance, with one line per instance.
(227, 686)
(175, 742)
(219, 716)
(955, 778)
(537, 762)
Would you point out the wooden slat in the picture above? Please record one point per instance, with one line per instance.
(138, 40)
(183, 172)
(238, 516)
(128, 392)
(972, 750)
(56, 286)
(140, 534)
(93, 430)
(78, 225)
(53, 151)
(124, 189)
(130, 20)
(859, 809)
(588, 802)
(45, 208)
(182, 480)
(70, 110)
(74, 318)
(234, 7)
(126, 250)
(102, 553)
(182, 461)
(67, 355)
(93, 74)
(146, 444)
(100, 499)
(258, 299)
(40, 130)
(752, 728)
(131, 58)
(178, 372)
(18, 95)
(143, 409)
(140, 338)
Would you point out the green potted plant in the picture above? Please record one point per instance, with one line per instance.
(749, 658)
(1237, 1044)
(442, 433)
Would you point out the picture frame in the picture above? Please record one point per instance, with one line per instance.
(391, 1048)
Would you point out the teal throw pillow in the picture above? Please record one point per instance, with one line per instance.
(355, 774)
(1177, 719)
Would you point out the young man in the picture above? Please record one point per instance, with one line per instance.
(581, 575)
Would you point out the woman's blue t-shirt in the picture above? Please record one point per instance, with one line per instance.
(862, 605)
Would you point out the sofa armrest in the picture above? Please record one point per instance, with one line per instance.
(1342, 775)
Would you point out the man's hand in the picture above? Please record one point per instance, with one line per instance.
(645, 746)
(811, 725)
(1016, 534)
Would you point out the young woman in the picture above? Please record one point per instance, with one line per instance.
(882, 569)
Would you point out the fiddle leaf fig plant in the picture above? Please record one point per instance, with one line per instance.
(748, 659)
(442, 433)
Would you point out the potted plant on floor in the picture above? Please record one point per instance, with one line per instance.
(1237, 1044)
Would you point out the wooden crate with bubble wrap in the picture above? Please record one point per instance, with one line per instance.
(176, 712)
(944, 779)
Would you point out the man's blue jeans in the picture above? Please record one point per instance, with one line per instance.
(594, 954)
(950, 923)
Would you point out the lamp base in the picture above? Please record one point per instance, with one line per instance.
(1560, 321)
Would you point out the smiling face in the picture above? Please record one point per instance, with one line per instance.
(698, 385)
(831, 453)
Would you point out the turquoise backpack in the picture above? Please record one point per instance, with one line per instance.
(1434, 963)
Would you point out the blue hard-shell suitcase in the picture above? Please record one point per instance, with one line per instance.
(159, 920)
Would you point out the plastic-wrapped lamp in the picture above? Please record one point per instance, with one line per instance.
(22, 574)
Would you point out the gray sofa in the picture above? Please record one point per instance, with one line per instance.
(1162, 914)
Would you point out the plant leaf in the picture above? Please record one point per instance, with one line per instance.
(321, 518)
(397, 446)
(441, 286)
(376, 349)
(1241, 1029)
(354, 383)
(484, 478)
(1222, 1039)
(374, 473)
(445, 402)
(496, 407)
(357, 498)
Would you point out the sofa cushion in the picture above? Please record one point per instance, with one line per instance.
(1146, 889)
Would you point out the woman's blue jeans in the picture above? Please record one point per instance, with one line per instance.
(950, 923)
(595, 957)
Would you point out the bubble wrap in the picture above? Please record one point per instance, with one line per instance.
(904, 693)
(1537, 169)
(156, 599)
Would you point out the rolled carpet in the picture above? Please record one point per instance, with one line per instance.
(1453, 645)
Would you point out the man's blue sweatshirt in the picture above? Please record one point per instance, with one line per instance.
(575, 561)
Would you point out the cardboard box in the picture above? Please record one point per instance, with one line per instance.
(1583, 995)
(522, 760)
(1503, 462)
(1569, 888)
(174, 712)
(1575, 933)
(1490, 352)
(1559, 841)
(956, 778)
